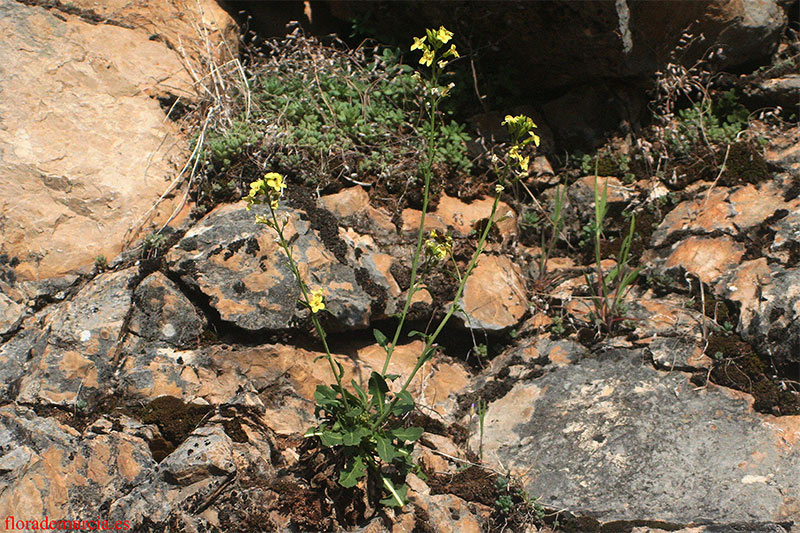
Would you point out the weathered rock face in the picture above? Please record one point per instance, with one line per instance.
(86, 150)
(601, 437)
(243, 271)
(82, 343)
(594, 57)
(161, 313)
(494, 296)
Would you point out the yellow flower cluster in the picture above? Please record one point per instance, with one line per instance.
(431, 43)
(268, 189)
(316, 301)
(439, 246)
(520, 128)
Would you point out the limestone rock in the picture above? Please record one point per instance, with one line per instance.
(769, 301)
(583, 436)
(51, 470)
(86, 149)
(161, 313)
(83, 336)
(207, 452)
(494, 296)
(243, 271)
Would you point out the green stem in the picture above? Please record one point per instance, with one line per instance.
(453, 306)
(304, 290)
(427, 171)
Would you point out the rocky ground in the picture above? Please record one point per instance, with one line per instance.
(169, 385)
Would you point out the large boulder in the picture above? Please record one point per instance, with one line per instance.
(86, 147)
(586, 63)
(611, 439)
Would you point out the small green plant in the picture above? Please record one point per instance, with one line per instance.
(609, 289)
(481, 408)
(709, 122)
(367, 428)
(153, 245)
(544, 279)
(100, 262)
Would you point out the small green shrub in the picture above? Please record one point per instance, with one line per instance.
(708, 121)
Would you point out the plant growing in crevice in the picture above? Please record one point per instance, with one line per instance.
(608, 289)
(367, 428)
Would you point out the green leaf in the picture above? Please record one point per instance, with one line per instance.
(378, 389)
(415, 333)
(386, 449)
(397, 496)
(362, 395)
(331, 438)
(404, 403)
(392, 377)
(407, 434)
(349, 476)
(353, 437)
(380, 337)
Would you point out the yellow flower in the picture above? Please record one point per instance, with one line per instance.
(275, 182)
(419, 44)
(523, 164)
(438, 246)
(442, 64)
(499, 188)
(518, 126)
(316, 301)
(444, 35)
(452, 51)
(263, 219)
(427, 58)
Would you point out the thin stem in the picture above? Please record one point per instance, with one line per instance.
(427, 171)
(304, 290)
(453, 306)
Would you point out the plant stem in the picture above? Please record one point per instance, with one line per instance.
(427, 171)
(303, 289)
(453, 306)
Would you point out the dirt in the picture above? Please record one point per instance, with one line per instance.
(175, 420)
(738, 366)
(474, 484)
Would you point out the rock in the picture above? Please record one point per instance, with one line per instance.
(161, 313)
(678, 353)
(87, 182)
(463, 217)
(594, 59)
(207, 452)
(494, 296)
(769, 304)
(16, 356)
(782, 91)
(705, 258)
(11, 314)
(243, 271)
(582, 438)
(722, 210)
(51, 470)
(181, 25)
(82, 343)
(446, 512)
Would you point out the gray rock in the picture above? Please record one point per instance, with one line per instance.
(613, 439)
(82, 342)
(243, 271)
(205, 453)
(769, 299)
(162, 313)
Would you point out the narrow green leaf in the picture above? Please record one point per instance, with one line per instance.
(349, 476)
(378, 389)
(385, 449)
(362, 395)
(407, 434)
(380, 337)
